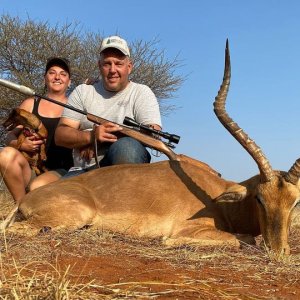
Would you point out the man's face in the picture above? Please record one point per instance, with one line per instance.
(115, 68)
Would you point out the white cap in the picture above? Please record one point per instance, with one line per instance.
(115, 42)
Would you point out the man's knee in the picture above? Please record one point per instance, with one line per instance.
(127, 150)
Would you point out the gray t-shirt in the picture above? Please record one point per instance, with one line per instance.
(136, 101)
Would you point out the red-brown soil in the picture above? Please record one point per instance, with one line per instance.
(110, 266)
(89, 264)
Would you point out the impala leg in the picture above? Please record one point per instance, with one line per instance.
(207, 237)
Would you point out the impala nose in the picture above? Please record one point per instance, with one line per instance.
(276, 250)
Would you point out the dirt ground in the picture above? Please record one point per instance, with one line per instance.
(89, 264)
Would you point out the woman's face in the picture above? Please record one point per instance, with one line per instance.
(57, 79)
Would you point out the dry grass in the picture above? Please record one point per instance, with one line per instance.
(67, 265)
(30, 269)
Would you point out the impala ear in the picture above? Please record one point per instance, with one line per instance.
(234, 193)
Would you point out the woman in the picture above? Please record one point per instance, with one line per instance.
(14, 168)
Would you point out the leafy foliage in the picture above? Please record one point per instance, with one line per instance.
(26, 45)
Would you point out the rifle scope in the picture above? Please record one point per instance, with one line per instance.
(173, 138)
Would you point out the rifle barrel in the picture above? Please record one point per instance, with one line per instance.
(30, 92)
(146, 139)
(17, 87)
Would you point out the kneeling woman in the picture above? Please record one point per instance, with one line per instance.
(14, 168)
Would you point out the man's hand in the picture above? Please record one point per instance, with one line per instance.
(105, 132)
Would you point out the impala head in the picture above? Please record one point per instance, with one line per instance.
(275, 201)
(275, 193)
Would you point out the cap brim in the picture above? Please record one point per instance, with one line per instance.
(115, 47)
(58, 62)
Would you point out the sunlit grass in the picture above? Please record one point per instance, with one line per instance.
(31, 267)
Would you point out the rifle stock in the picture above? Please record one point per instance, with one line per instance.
(141, 137)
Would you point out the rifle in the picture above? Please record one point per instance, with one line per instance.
(172, 138)
(147, 140)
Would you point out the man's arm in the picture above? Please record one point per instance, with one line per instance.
(68, 135)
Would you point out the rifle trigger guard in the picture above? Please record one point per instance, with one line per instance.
(155, 153)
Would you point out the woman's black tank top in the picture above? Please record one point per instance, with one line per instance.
(57, 157)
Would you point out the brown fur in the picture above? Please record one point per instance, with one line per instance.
(31, 125)
(170, 199)
(181, 201)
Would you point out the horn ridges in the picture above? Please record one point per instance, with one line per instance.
(293, 174)
(234, 129)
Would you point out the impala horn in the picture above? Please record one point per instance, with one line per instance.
(249, 145)
(293, 174)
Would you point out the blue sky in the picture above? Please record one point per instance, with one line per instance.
(264, 97)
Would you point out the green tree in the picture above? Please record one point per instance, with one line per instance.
(26, 45)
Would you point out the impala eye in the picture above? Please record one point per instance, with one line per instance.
(258, 199)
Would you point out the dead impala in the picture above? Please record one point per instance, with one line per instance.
(182, 201)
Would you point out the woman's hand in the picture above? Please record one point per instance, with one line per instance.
(87, 153)
(31, 143)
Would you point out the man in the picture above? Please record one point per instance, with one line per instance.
(113, 97)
